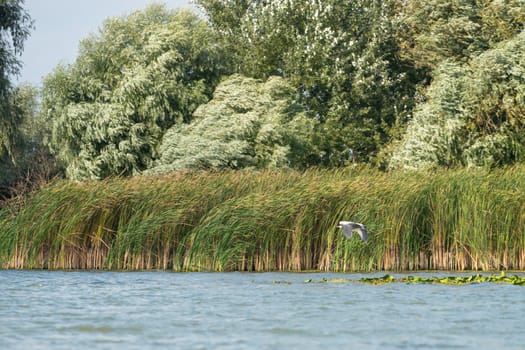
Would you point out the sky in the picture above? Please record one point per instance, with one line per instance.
(60, 25)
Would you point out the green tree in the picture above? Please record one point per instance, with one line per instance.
(435, 134)
(342, 56)
(15, 26)
(141, 75)
(33, 165)
(248, 123)
(474, 114)
(432, 31)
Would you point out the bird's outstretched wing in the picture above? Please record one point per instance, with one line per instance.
(349, 226)
(362, 232)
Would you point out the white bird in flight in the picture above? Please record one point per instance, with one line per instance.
(349, 226)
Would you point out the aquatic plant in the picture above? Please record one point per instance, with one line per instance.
(273, 220)
(455, 280)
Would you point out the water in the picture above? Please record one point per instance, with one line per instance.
(159, 310)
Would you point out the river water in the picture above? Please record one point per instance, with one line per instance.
(164, 310)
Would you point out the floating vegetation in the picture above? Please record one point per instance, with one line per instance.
(454, 280)
(282, 282)
(273, 221)
(373, 280)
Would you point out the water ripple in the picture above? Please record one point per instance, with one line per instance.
(149, 310)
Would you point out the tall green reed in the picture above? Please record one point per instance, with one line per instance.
(273, 220)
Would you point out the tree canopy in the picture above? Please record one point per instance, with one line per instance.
(15, 26)
(288, 83)
(33, 165)
(342, 56)
(248, 123)
(432, 31)
(137, 78)
(474, 114)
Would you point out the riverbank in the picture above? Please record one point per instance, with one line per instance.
(273, 220)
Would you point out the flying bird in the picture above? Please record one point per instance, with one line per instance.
(349, 226)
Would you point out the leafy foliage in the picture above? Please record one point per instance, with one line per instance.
(343, 56)
(473, 115)
(432, 31)
(21, 102)
(33, 165)
(434, 136)
(140, 76)
(399, 84)
(15, 24)
(248, 123)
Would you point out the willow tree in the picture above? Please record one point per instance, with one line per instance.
(33, 164)
(15, 25)
(474, 113)
(135, 79)
(248, 123)
(471, 114)
(432, 31)
(342, 56)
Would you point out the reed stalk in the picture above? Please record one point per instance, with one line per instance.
(273, 221)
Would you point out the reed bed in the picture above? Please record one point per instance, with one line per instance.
(273, 221)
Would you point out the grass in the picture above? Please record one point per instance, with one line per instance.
(273, 220)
